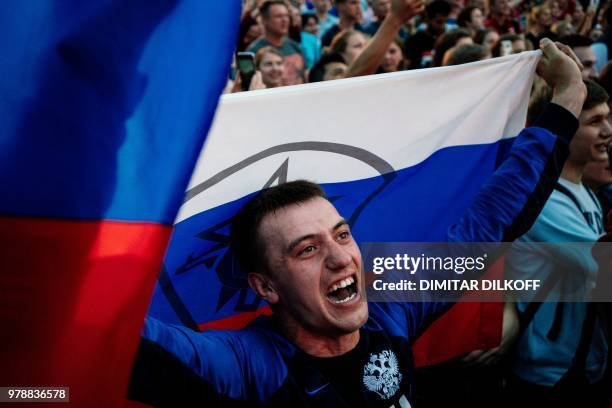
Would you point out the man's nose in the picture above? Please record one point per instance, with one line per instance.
(338, 257)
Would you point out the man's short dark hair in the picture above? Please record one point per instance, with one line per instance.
(541, 98)
(576, 40)
(447, 41)
(264, 10)
(438, 8)
(245, 241)
(466, 53)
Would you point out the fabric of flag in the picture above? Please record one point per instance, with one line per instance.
(401, 156)
(105, 107)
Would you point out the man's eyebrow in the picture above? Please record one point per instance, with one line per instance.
(340, 223)
(296, 241)
(599, 116)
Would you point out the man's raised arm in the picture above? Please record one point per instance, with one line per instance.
(510, 202)
(374, 52)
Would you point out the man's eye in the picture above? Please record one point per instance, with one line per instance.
(309, 249)
(344, 235)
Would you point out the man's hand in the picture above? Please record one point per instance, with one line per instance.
(560, 68)
(403, 10)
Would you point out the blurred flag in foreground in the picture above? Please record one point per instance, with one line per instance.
(401, 156)
(105, 107)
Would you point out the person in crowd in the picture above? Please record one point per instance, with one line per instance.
(295, 24)
(603, 45)
(275, 19)
(448, 40)
(302, 259)
(483, 5)
(349, 44)
(456, 7)
(583, 21)
(331, 66)
(249, 31)
(539, 25)
(562, 9)
(472, 19)
(563, 29)
(310, 23)
(419, 47)
(487, 37)
(557, 12)
(350, 14)
(309, 42)
(326, 20)
(380, 9)
(552, 366)
(462, 54)
(598, 177)
(502, 18)
(518, 44)
(394, 57)
(269, 61)
(581, 46)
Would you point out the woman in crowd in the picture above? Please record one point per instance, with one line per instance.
(487, 37)
(539, 23)
(349, 44)
(472, 19)
(249, 31)
(394, 57)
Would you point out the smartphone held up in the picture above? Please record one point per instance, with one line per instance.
(246, 67)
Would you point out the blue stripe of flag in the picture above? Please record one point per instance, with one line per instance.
(87, 131)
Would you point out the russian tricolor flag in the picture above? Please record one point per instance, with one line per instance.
(401, 156)
(105, 107)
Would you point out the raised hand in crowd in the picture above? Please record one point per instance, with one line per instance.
(372, 56)
(256, 83)
(560, 68)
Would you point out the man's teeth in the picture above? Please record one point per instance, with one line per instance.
(351, 297)
(342, 284)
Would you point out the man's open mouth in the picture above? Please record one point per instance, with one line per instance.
(343, 291)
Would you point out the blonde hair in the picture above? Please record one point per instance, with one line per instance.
(262, 53)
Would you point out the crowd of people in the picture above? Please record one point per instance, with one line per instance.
(318, 40)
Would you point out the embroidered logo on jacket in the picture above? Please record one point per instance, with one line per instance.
(381, 374)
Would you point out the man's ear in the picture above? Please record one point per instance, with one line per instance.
(263, 287)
